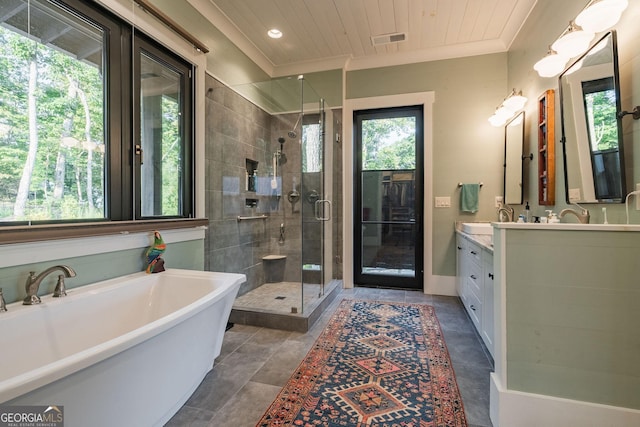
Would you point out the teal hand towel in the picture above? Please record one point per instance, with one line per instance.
(469, 197)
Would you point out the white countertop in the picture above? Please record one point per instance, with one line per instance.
(566, 226)
(484, 240)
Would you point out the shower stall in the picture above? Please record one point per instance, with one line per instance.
(286, 206)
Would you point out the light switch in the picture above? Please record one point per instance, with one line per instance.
(637, 197)
(574, 195)
(443, 202)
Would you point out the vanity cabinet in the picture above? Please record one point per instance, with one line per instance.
(474, 282)
(487, 330)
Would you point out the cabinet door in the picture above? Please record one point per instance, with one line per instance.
(473, 304)
(487, 306)
(461, 248)
(473, 284)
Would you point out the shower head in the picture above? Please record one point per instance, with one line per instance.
(280, 154)
(292, 133)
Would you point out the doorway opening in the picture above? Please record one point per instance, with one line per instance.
(388, 205)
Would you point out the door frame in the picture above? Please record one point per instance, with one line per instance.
(426, 99)
(389, 280)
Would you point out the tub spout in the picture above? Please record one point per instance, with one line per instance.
(33, 283)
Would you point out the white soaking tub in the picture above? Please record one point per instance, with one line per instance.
(127, 351)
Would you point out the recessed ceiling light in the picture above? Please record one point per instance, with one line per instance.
(274, 33)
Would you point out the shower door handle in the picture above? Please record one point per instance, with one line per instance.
(317, 210)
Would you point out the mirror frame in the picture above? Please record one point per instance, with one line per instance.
(521, 157)
(563, 139)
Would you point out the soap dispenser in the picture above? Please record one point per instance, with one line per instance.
(527, 213)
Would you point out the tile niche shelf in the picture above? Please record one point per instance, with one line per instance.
(546, 149)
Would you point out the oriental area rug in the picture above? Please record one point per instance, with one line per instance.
(376, 364)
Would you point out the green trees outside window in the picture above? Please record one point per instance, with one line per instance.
(51, 132)
(96, 118)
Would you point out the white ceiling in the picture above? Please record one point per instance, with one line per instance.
(329, 34)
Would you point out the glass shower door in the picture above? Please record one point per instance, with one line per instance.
(316, 209)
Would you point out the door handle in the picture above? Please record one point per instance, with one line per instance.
(139, 152)
(317, 210)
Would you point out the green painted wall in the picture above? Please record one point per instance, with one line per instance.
(466, 147)
(328, 84)
(225, 61)
(94, 268)
(546, 22)
(572, 327)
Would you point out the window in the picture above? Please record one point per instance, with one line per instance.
(73, 145)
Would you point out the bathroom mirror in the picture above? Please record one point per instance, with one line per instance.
(591, 129)
(513, 160)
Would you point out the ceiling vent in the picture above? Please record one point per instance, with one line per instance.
(388, 38)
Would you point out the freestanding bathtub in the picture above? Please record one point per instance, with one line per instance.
(127, 351)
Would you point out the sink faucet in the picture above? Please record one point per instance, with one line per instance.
(507, 211)
(33, 283)
(583, 215)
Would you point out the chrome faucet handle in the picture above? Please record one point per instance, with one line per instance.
(32, 294)
(60, 290)
(3, 304)
(28, 286)
(31, 300)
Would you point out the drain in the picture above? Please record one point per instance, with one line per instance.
(280, 297)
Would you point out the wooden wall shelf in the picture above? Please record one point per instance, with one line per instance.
(546, 149)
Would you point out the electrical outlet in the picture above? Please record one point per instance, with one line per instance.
(637, 197)
(498, 201)
(443, 202)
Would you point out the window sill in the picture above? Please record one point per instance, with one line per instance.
(44, 232)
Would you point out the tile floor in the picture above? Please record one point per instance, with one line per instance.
(281, 297)
(256, 362)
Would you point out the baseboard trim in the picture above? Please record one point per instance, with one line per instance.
(441, 285)
(515, 408)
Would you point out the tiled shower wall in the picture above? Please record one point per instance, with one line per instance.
(237, 130)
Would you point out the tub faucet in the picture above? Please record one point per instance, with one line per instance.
(583, 215)
(33, 283)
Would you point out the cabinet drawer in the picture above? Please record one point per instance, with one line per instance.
(474, 307)
(474, 279)
(475, 252)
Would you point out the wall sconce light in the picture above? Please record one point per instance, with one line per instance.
(601, 15)
(596, 17)
(575, 41)
(551, 65)
(513, 103)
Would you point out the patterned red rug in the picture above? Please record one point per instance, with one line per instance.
(376, 364)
